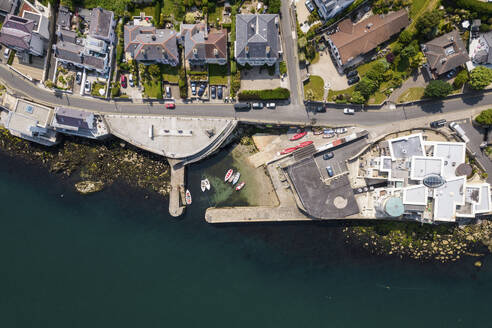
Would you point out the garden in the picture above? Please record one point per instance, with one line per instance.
(218, 74)
(314, 88)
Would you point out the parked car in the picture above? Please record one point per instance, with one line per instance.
(123, 81)
(257, 105)
(87, 88)
(309, 5)
(328, 156)
(352, 74)
(212, 91)
(353, 80)
(6, 53)
(438, 124)
(242, 106)
(170, 105)
(130, 80)
(271, 105)
(219, 92)
(78, 77)
(201, 91)
(168, 92)
(349, 111)
(340, 130)
(459, 130)
(193, 88)
(451, 73)
(329, 170)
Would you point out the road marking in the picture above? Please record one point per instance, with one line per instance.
(294, 35)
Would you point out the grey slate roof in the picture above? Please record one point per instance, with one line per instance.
(196, 37)
(257, 32)
(445, 52)
(64, 17)
(75, 53)
(100, 25)
(6, 5)
(16, 32)
(149, 43)
(41, 23)
(74, 117)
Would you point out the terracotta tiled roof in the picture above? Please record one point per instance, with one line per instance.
(353, 40)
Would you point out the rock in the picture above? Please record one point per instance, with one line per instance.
(478, 264)
(445, 242)
(89, 187)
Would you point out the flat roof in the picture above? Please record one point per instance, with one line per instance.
(37, 112)
(453, 154)
(415, 195)
(447, 197)
(406, 147)
(484, 205)
(423, 166)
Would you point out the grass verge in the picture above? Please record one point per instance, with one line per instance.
(314, 88)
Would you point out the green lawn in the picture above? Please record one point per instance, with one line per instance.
(333, 93)
(411, 94)
(377, 98)
(96, 87)
(171, 8)
(170, 73)
(215, 16)
(218, 74)
(418, 7)
(118, 6)
(316, 86)
(148, 10)
(153, 89)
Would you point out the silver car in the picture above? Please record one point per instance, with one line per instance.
(309, 5)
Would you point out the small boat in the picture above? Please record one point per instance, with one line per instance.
(236, 178)
(231, 178)
(304, 144)
(298, 136)
(240, 186)
(188, 197)
(228, 174)
(205, 185)
(288, 150)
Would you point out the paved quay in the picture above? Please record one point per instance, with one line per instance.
(176, 196)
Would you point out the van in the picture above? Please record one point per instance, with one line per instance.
(459, 130)
(242, 106)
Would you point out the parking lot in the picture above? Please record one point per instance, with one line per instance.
(326, 68)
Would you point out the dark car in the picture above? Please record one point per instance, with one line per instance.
(212, 91)
(438, 124)
(201, 90)
(219, 92)
(242, 106)
(352, 74)
(328, 156)
(353, 80)
(329, 170)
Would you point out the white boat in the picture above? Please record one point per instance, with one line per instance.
(231, 178)
(205, 185)
(188, 197)
(240, 186)
(236, 178)
(228, 174)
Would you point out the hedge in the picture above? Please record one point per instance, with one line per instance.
(268, 94)
(483, 8)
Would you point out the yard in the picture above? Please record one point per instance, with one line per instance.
(96, 89)
(215, 16)
(314, 89)
(170, 73)
(218, 74)
(148, 10)
(153, 89)
(412, 94)
(418, 7)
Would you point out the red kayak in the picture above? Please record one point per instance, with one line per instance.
(304, 144)
(288, 150)
(298, 136)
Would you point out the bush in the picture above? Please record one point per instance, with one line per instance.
(405, 37)
(480, 77)
(183, 86)
(485, 117)
(235, 83)
(282, 67)
(460, 79)
(438, 89)
(427, 23)
(115, 91)
(268, 94)
(357, 98)
(233, 67)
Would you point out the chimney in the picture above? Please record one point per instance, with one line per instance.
(369, 25)
(195, 51)
(268, 49)
(205, 33)
(246, 49)
(153, 38)
(252, 26)
(216, 52)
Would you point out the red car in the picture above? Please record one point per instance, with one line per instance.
(170, 105)
(123, 81)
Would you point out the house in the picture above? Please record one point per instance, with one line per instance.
(40, 15)
(329, 8)
(78, 122)
(257, 39)
(481, 49)
(203, 47)
(149, 45)
(445, 53)
(93, 52)
(351, 41)
(17, 33)
(64, 18)
(8, 7)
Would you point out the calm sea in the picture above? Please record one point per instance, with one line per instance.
(117, 259)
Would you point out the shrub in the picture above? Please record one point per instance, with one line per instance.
(438, 89)
(405, 37)
(427, 23)
(235, 83)
(460, 79)
(233, 67)
(115, 91)
(268, 94)
(282, 67)
(480, 77)
(485, 117)
(367, 87)
(183, 86)
(357, 98)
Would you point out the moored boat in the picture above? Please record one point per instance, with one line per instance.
(188, 197)
(207, 184)
(228, 174)
(288, 150)
(298, 136)
(304, 144)
(236, 178)
(231, 178)
(240, 186)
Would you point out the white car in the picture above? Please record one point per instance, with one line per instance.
(87, 88)
(309, 5)
(341, 130)
(130, 80)
(271, 105)
(349, 111)
(257, 105)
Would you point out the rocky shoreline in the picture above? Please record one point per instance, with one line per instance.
(94, 163)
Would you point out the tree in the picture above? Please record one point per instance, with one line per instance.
(427, 23)
(485, 117)
(460, 79)
(154, 70)
(405, 37)
(357, 98)
(408, 52)
(480, 77)
(438, 89)
(366, 87)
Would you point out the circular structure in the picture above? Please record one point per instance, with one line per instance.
(394, 207)
(340, 202)
(433, 181)
(464, 169)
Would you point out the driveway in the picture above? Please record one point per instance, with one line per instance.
(252, 79)
(34, 69)
(414, 81)
(328, 71)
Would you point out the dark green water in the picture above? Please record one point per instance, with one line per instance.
(116, 259)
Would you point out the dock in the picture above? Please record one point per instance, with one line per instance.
(177, 188)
